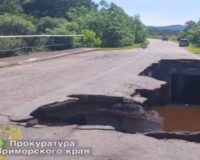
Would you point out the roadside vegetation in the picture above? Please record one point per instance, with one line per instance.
(103, 25)
(174, 39)
(192, 33)
(194, 49)
(146, 42)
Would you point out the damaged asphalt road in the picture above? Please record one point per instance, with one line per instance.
(25, 88)
(123, 114)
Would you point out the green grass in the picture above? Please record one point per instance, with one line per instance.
(125, 48)
(194, 49)
(147, 42)
(174, 40)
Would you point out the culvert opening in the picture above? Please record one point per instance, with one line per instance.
(182, 86)
(178, 101)
(185, 89)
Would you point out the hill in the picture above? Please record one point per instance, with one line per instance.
(176, 28)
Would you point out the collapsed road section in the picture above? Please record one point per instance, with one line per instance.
(182, 87)
(123, 114)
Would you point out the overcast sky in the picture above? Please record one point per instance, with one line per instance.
(161, 12)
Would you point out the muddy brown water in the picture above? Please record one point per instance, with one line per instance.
(180, 118)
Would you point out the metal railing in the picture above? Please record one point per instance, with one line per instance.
(31, 43)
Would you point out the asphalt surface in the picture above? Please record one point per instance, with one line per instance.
(24, 88)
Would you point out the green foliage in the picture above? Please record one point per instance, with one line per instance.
(12, 25)
(67, 28)
(16, 25)
(9, 44)
(174, 39)
(48, 23)
(103, 25)
(140, 30)
(194, 49)
(90, 39)
(192, 33)
(10, 6)
(112, 25)
(54, 8)
(75, 13)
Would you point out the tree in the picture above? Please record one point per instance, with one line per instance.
(192, 33)
(140, 30)
(190, 24)
(48, 23)
(15, 25)
(116, 28)
(54, 8)
(104, 4)
(112, 25)
(10, 6)
(75, 13)
(105, 25)
(90, 39)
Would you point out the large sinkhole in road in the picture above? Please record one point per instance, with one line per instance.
(173, 107)
(178, 101)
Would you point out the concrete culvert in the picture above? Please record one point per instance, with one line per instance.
(177, 101)
(182, 87)
(123, 114)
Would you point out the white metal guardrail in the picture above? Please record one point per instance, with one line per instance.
(56, 42)
(38, 36)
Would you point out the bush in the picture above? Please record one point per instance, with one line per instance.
(90, 39)
(8, 47)
(48, 23)
(15, 25)
(62, 42)
(10, 6)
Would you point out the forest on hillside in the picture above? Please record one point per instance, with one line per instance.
(103, 25)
